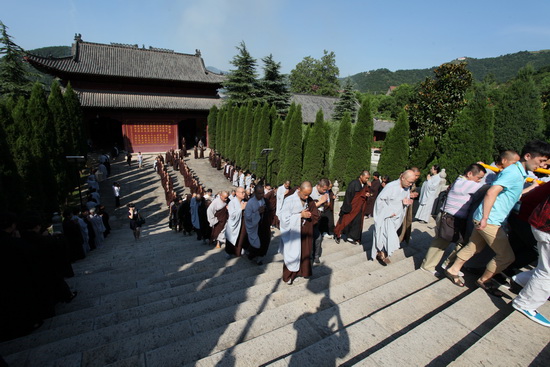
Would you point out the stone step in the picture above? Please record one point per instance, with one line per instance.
(516, 341)
(321, 324)
(108, 316)
(144, 324)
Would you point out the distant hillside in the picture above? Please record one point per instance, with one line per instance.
(503, 68)
(53, 51)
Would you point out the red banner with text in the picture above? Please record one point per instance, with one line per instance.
(150, 137)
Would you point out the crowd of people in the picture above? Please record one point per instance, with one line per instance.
(477, 215)
(36, 256)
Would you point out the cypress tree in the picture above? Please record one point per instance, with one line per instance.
(276, 155)
(11, 190)
(65, 141)
(240, 134)
(469, 139)
(361, 142)
(316, 152)
(247, 136)
(74, 113)
(227, 131)
(254, 138)
(24, 161)
(220, 127)
(292, 168)
(44, 149)
(424, 154)
(263, 139)
(518, 115)
(395, 154)
(234, 138)
(342, 151)
(212, 121)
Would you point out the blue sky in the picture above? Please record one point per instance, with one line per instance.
(365, 35)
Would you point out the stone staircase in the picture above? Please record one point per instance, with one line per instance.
(169, 300)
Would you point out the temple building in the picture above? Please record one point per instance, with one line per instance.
(143, 99)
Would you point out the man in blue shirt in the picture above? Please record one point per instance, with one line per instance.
(492, 213)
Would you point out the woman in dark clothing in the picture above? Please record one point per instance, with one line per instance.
(136, 220)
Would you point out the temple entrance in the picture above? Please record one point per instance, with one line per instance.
(188, 129)
(105, 132)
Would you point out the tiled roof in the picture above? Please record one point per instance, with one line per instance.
(311, 104)
(146, 101)
(128, 62)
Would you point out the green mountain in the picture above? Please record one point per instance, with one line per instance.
(501, 68)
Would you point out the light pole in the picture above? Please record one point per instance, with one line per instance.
(77, 159)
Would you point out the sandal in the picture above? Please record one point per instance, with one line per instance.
(382, 259)
(490, 288)
(455, 279)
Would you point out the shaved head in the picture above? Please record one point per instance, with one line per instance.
(305, 190)
(414, 169)
(407, 178)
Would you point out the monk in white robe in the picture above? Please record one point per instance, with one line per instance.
(428, 194)
(217, 216)
(389, 210)
(257, 222)
(235, 230)
(282, 192)
(298, 216)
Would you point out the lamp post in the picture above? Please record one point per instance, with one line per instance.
(77, 159)
(266, 151)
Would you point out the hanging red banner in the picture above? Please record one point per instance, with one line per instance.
(150, 137)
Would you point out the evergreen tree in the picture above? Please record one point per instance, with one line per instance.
(468, 140)
(273, 87)
(44, 150)
(361, 142)
(11, 194)
(318, 77)
(212, 121)
(241, 85)
(227, 130)
(13, 77)
(233, 136)
(220, 128)
(65, 141)
(518, 115)
(240, 134)
(286, 125)
(346, 103)
(276, 155)
(424, 154)
(316, 152)
(247, 137)
(395, 154)
(263, 139)
(74, 113)
(342, 151)
(253, 165)
(292, 168)
(27, 166)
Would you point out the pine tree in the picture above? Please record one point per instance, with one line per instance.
(276, 155)
(361, 142)
(342, 151)
(263, 139)
(273, 87)
(469, 139)
(13, 77)
(74, 113)
(212, 121)
(518, 115)
(253, 162)
(346, 103)
(395, 154)
(316, 152)
(241, 85)
(247, 137)
(292, 168)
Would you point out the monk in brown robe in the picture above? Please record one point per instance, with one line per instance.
(217, 217)
(298, 216)
(374, 190)
(235, 230)
(352, 213)
(404, 232)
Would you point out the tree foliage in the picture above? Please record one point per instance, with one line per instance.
(273, 87)
(342, 151)
(438, 101)
(346, 103)
(241, 85)
(318, 77)
(316, 151)
(292, 166)
(13, 76)
(361, 142)
(212, 122)
(395, 155)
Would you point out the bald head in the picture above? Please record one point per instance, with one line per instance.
(416, 171)
(305, 190)
(407, 178)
